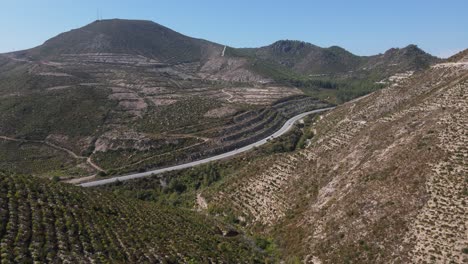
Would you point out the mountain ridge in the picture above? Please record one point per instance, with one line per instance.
(155, 41)
(307, 58)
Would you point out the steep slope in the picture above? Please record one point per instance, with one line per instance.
(383, 181)
(47, 222)
(135, 37)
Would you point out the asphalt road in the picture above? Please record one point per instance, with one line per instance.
(285, 128)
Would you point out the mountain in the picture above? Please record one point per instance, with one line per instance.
(160, 44)
(135, 37)
(383, 179)
(306, 58)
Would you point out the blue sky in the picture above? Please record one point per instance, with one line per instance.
(362, 27)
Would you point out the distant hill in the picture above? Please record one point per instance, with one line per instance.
(135, 37)
(308, 59)
(161, 44)
(409, 58)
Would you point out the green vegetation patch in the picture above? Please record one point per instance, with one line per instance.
(16, 78)
(176, 188)
(75, 112)
(337, 91)
(38, 159)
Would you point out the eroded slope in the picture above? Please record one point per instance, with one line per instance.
(384, 179)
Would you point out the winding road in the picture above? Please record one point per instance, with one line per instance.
(229, 99)
(285, 128)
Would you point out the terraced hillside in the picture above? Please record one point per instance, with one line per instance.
(46, 222)
(237, 131)
(119, 111)
(128, 95)
(383, 180)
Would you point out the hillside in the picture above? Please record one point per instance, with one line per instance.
(128, 95)
(48, 222)
(332, 74)
(384, 179)
(124, 95)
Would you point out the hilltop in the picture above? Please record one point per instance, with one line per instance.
(134, 37)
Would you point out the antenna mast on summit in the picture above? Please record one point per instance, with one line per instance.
(98, 15)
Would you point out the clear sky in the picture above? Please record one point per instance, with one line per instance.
(363, 27)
